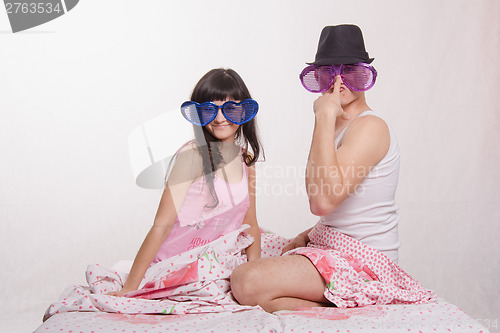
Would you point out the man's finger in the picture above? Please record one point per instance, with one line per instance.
(336, 84)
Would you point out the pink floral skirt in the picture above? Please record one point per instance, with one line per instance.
(358, 275)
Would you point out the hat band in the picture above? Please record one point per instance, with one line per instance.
(340, 60)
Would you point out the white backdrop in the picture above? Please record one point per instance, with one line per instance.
(72, 90)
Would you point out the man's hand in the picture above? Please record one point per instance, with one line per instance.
(299, 241)
(329, 103)
(121, 292)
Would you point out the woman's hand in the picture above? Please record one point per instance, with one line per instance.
(121, 292)
(329, 103)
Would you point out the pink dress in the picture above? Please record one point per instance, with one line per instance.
(197, 225)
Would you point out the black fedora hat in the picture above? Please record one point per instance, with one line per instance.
(341, 44)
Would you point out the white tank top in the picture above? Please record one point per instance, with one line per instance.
(370, 214)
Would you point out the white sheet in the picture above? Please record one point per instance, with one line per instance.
(433, 317)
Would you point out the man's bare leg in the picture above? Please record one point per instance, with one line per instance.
(279, 283)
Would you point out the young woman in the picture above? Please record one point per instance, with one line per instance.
(210, 190)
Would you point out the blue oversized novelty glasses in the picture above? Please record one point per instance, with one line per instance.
(204, 113)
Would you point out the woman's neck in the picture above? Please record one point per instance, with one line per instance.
(228, 150)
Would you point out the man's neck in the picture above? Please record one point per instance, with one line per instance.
(353, 109)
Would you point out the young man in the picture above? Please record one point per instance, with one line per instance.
(351, 179)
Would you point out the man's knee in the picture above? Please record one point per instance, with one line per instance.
(244, 284)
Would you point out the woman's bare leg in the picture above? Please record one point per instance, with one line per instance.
(279, 283)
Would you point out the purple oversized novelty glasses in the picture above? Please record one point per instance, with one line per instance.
(236, 112)
(357, 77)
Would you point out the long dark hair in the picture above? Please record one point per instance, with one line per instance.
(217, 85)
